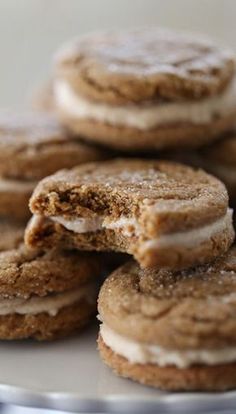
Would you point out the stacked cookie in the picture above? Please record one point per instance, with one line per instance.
(168, 315)
(144, 90)
(40, 293)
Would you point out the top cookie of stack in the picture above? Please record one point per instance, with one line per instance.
(146, 89)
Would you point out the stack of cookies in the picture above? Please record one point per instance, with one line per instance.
(168, 315)
(44, 295)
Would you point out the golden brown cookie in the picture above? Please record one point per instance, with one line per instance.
(164, 214)
(32, 146)
(46, 295)
(145, 89)
(171, 330)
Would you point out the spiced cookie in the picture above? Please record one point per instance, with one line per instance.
(164, 214)
(171, 330)
(46, 295)
(146, 89)
(32, 146)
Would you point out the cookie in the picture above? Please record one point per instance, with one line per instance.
(32, 146)
(171, 330)
(12, 235)
(46, 295)
(218, 159)
(145, 89)
(164, 214)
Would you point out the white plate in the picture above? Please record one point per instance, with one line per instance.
(68, 375)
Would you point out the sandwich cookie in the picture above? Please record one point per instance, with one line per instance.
(46, 295)
(145, 89)
(171, 330)
(164, 214)
(32, 146)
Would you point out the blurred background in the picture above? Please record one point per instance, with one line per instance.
(31, 30)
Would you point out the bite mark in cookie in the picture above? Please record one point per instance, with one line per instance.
(164, 214)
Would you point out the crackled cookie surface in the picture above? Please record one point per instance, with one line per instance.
(164, 214)
(145, 88)
(34, 145)
(46, 295)
(172, 330)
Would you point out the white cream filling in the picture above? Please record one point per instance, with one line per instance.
(141, 353)
(7, 184)
(146, 116)
(80, 225)
(129, 226)
(50, 304)
(191, 238)
(84, 225)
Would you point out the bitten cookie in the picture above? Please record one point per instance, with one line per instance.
(218, 159)
(164, 214)
(171, 330)
(145, 89)
(46, 295)
(32, 146)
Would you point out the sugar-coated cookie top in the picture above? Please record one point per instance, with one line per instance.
(189, 309)
(163, 196)
(145, 64)
(34, 145)
(24, 273)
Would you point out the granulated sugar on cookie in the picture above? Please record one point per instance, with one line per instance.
(164, 214)
(171, 330)
(46, 295)
(145, 89)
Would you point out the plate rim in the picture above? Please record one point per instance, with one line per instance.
(74, 402)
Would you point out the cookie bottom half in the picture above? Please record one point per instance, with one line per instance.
(43, 233)
(163, 137)
(43, 326)
(195, 378)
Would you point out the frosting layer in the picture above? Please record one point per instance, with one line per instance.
(141, 353)
(50, 304)
(16, 185)
(149, 115)
(129, 226)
